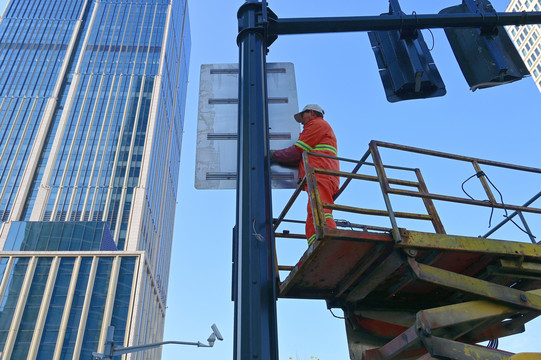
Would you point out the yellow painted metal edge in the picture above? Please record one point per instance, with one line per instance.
(417, 239)
(476, 286)
(525, 356)
(513, 265)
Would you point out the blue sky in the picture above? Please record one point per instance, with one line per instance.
(339, 72)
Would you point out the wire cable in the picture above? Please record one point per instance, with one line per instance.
(506, 215)
(338, 317)
(433, 39)
(257, 235)
(430, 31)
(493, 344)
(465, 181)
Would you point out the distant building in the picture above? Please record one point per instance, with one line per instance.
(92, 98)
(527, 38)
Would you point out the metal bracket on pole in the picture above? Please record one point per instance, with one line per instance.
(409, 35)
(260, 25)
(406, 32)
(488, 32)
(478, 8)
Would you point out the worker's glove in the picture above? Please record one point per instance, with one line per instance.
(272, 161)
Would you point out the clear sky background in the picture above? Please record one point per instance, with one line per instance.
(339, 72)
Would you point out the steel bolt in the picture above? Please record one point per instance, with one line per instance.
(412, 252)
(424, 330)
(523, 297)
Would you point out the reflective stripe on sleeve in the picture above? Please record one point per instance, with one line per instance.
(324, 147)
(311, 240)
(303, 146)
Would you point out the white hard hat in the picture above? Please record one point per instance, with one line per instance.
(314, 107)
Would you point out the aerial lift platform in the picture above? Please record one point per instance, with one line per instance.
(418, 295)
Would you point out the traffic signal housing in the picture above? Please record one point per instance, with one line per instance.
(406, 67)
(487, 57)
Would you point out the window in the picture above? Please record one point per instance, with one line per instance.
(535, 72)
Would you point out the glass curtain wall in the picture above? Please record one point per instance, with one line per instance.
(92, 98)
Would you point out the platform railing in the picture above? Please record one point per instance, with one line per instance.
(476, 163)
(419, 190)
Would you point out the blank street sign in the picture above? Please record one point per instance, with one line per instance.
(216, 153)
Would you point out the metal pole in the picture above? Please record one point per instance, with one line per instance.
(255, 297)
(398, 22)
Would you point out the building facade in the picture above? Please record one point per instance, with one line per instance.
(527, 38)
(92, 98)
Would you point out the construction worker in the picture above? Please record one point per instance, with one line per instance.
(316, 137)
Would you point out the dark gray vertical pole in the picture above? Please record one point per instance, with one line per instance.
(255, 293)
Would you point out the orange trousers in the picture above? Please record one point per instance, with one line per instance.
(326, 193)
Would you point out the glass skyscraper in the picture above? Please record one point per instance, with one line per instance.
(92, 98)
(527, 38)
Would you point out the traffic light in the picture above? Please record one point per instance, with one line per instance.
(405, 65)
(487, 57)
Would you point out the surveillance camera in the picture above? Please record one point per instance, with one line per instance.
(216, 332)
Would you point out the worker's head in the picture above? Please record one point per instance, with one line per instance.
(310, 111)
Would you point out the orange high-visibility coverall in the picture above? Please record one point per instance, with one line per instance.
(316, 137)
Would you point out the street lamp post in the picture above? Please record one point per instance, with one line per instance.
(111, 350)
